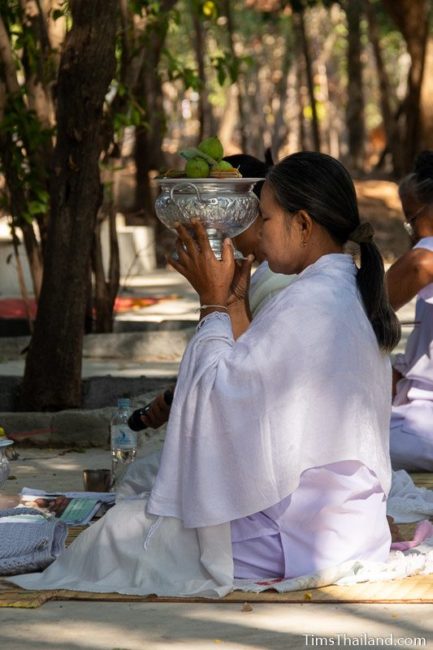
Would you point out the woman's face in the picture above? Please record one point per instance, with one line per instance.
(281, 238)
(418, 217)
(247, 242)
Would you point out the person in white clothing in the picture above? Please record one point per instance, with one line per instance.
(264, 284)
(411, 275)
(276, 459)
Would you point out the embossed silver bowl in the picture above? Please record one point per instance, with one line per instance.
(226, 206)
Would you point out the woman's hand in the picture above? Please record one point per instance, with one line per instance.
(157, 412)
(241, 281)
(210, 277)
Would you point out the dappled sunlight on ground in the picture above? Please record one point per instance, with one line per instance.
(385, 191)
(53, 470)
(379, 204)
(140, 626)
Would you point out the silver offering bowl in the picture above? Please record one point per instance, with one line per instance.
(226, 206)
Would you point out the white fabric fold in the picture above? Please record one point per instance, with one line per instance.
(407, 502)
(264, 285)
(243, 424)
(109, 557)
(117, 554)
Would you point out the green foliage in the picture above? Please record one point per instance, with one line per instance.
(177, 70)
(226, 66)
(23, 130)
(9, 10)
(134, 113)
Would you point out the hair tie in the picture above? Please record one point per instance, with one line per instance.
(363, 234)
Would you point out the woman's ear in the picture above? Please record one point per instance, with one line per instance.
(305, 225)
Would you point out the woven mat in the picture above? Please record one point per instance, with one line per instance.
(415, 589)
(423, 479)
(16, 307)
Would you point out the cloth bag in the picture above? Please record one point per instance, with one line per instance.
(29, 541)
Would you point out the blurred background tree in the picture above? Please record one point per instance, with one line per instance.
(351, 78)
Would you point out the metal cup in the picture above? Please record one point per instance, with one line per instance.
(97, 480)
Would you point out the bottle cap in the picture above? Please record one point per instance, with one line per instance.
(123, 402)
(4, 440)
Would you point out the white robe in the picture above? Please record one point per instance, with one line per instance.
(304, 387)
(412, 411)
(264, 285)
(140, 475)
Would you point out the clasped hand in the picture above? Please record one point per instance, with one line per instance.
(217, 282)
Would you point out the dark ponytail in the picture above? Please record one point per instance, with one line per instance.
(372, 287)
(320, 185)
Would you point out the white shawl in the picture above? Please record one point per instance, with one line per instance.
(305, 386)
(265, 285)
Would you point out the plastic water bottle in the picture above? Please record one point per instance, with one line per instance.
(4, 461)
(123, 441)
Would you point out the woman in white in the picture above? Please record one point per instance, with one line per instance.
(276, 458)
(410, 276)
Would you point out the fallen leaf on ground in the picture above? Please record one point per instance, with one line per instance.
(246, 607)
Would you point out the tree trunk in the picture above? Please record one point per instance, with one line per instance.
(389, 122)
(412, 19)
(37, 55)
(205, 116)
(300, 22)
(52, 377)
(281, 126)
(56, 29)
(355, 96)
(148, 152)
(300, 100)
(105, 291)
(426, 99)
(239, 95)
(37, 50)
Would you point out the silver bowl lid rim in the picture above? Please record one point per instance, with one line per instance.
(209, 179)
(6, 443)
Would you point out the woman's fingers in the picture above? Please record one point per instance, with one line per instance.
(177, 266)
(201, 236)
(227, 252)
(187, 240)
(245, 266)
(182, 253)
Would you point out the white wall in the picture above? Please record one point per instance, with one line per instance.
(136, 248)
(9, 285)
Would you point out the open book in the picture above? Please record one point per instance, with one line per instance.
(73, 508)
